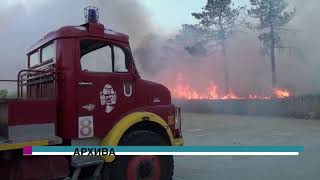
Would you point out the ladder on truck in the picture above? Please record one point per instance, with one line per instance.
(98, 163)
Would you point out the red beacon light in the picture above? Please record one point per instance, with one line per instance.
(91, 14)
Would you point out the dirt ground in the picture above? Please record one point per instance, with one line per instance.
(209, 129)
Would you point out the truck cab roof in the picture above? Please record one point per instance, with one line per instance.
(86, 30)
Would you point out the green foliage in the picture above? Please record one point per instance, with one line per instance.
(194, 39)
(3, 93)
(192, 33)
(219, 18)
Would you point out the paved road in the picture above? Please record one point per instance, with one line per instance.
(208, 129)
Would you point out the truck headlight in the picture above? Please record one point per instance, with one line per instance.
(178, 120)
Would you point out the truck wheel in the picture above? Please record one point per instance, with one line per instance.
(141, 167)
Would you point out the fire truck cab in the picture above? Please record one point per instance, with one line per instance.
(82, 87)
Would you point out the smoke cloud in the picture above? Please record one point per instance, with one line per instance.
(162, 57)
(23, 23)
(250, 71)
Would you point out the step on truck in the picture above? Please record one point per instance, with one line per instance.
(81, 87)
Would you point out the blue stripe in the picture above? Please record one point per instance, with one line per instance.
(175, 148)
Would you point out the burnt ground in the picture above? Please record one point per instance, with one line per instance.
(209, 129)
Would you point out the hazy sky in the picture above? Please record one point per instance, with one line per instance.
(167, 15)
(170, 14)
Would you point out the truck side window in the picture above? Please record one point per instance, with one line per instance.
(96, 56)
(119, 60)
(34, 59)
(48, 53)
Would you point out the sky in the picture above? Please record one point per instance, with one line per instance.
(170, 14)
(167, 15)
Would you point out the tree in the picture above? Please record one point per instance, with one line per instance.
(217, 22)
(195, 39)
(273, 17)
(3, 93)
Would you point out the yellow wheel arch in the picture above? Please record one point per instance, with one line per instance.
(114, 136)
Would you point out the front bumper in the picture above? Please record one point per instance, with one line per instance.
(178, 142)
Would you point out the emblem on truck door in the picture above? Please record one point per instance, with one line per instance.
(108, 98)
(127, 89)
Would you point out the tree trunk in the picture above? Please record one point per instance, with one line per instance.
(273, 63)
(226, 69)
(272, 47)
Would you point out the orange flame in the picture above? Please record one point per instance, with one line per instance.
(281, 93)
(182, 90)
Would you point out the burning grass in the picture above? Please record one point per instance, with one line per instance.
(183, 90)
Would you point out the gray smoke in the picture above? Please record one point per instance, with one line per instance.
(161, 57)
(303, 72)
(23, 23)
(250, 72)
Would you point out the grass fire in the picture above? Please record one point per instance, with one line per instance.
(183, 90)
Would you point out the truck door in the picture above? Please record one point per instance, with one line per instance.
(105, 86)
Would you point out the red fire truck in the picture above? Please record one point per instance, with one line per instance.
(82, 87)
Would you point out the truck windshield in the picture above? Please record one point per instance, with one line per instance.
(99, 56)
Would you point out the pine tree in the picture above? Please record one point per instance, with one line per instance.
(273, 17)
(217, 22)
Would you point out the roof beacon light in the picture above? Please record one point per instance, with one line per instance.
(91, 14)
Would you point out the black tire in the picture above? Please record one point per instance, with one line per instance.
(118, 170)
